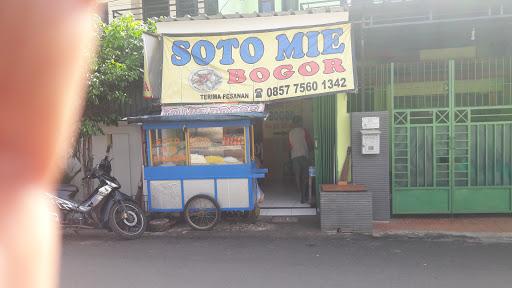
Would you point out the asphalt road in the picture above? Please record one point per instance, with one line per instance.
(268, 259)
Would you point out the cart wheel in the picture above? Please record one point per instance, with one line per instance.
(202, 212)
(254, 214)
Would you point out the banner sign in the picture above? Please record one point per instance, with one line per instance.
(257, 66)
(212, 109)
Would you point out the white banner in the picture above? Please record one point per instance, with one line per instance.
(153, 57)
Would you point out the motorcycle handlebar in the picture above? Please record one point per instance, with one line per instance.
(93, 171)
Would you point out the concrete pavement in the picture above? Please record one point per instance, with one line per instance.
(276, 255)
(487, 228)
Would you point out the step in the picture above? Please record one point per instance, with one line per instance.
(288, 211)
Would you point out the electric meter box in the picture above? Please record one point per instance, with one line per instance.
(370, 162)
(370, 141)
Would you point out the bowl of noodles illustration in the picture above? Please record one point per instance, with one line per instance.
(205, 80)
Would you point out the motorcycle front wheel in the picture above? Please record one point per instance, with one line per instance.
(127, 220)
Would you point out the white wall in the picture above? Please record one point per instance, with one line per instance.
(126, 154)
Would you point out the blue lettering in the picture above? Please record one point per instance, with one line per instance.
(312, 44)
(209, 52)
(227, 46)
(258, 47)
(287, 49)
(180, 55)
(332, 43)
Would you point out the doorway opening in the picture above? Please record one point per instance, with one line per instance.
(274, 151)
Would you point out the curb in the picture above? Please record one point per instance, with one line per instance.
(487, 237)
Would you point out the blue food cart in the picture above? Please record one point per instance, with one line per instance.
(201, 164)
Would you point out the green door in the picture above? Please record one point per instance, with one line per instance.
(452, 137)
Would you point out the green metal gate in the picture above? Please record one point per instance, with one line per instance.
(452, 136)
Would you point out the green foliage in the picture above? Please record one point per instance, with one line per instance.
(118, 66)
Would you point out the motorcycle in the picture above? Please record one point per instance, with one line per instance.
(106, 207)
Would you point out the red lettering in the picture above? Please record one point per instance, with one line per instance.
(283, 72)
(259, 74)
(236, 76)
(332, 65)
(309, 68)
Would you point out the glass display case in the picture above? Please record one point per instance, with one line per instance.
(168, 147)
(217, 145)
(197, 146)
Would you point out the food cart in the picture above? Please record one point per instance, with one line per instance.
(201, 164)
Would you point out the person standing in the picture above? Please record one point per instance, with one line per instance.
(300, 145)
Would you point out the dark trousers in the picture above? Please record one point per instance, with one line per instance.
(300, 167)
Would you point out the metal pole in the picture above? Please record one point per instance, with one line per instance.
(451, 96)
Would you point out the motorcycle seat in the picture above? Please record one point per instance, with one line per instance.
(67, 191)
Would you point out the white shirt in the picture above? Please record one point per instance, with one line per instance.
(298, 142)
